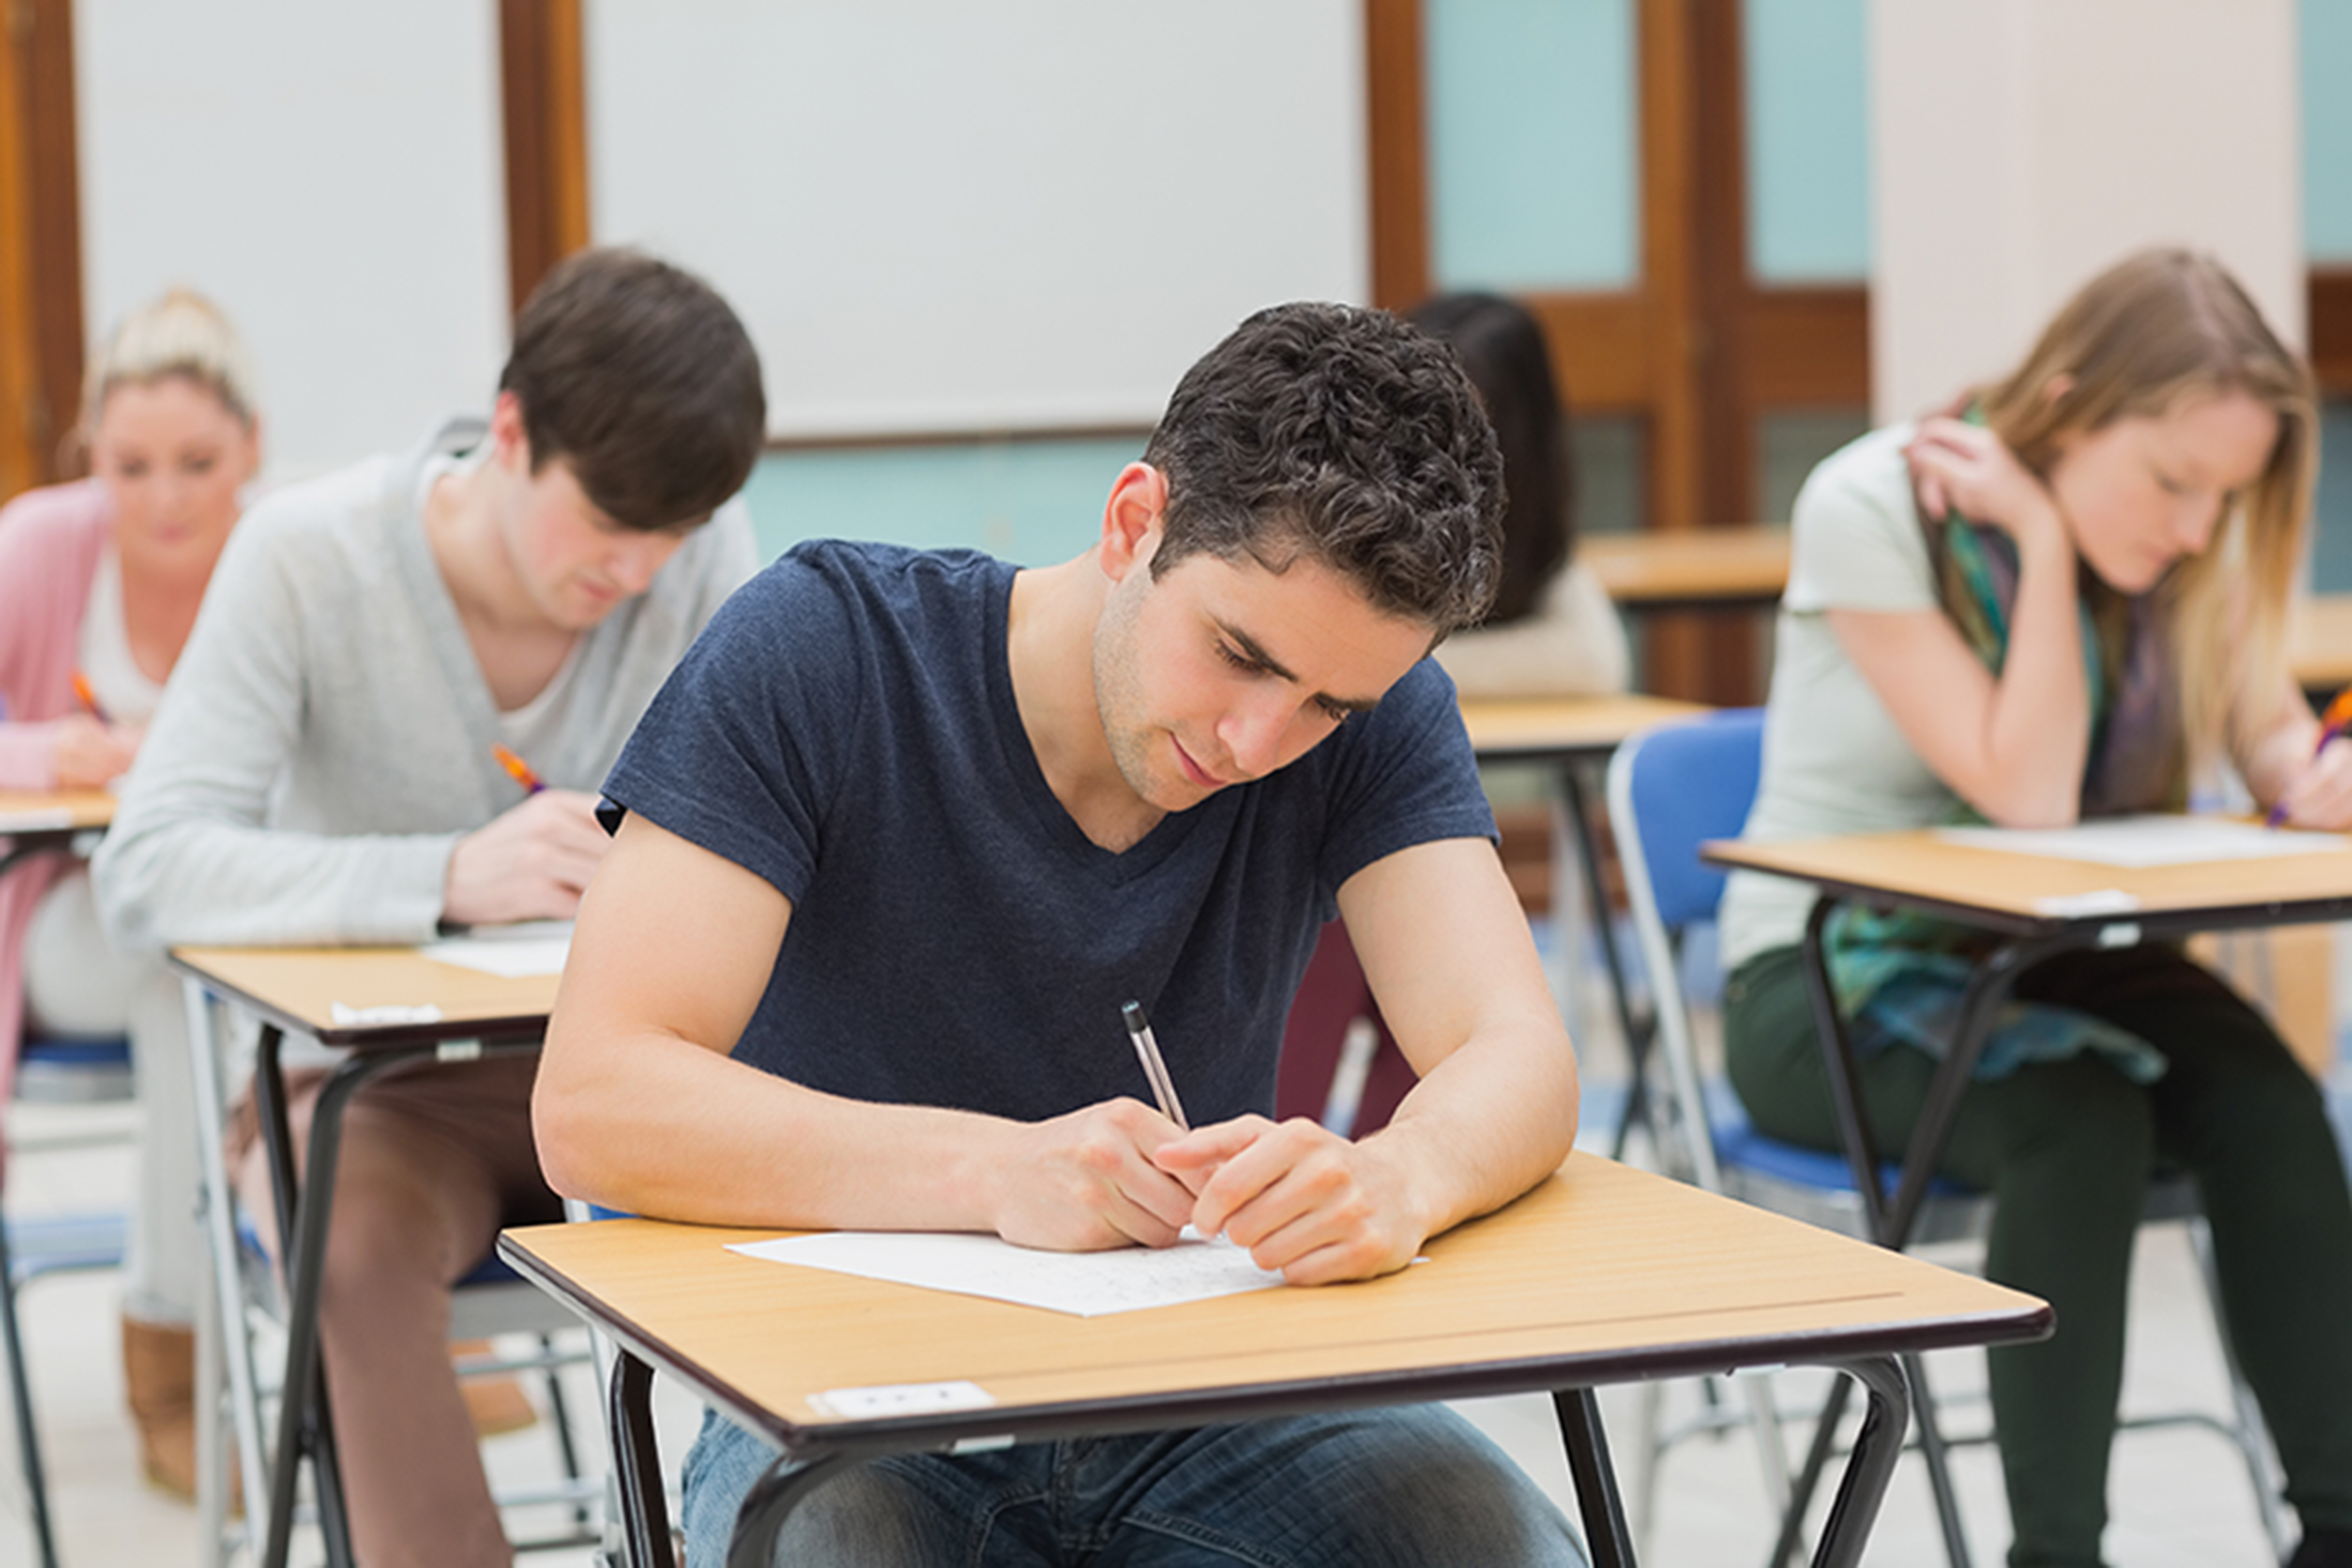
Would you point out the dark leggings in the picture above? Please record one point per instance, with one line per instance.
(2066, 1148)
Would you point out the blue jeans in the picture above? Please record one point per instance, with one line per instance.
(1412, 1487)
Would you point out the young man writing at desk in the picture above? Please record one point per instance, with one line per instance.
(325, 768)
(906, 831)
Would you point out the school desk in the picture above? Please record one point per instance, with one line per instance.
(299, 991)
(1601, 1274)
(1577, 736)
(2037, 907)
(1690, 569)
(36, 822)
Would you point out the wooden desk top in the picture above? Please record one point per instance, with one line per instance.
(1565, 726)
(53, 811)
(1602, 1273)
(2319, 642)
(297, 988)
(1691, 568)
(2024, 892)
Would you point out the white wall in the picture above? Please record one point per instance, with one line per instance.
(332, 175)
(2022, 145)
(939, 215)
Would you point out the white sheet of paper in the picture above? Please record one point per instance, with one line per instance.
(526, 947)
(2149, 840)
(1084, 1284)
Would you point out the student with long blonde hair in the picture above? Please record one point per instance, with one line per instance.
(2066, 598)
(100, 580)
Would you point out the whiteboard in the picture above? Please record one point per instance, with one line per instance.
(330, 175)
(940, 216)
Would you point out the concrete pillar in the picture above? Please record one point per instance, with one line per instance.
(2020, 146)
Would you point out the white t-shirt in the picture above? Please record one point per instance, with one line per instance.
(1833, 760)
(1573, 646)
(102, 650)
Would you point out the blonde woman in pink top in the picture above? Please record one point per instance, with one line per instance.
(101, 579)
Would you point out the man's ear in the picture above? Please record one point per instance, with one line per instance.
(510, 446)
(1133, 519)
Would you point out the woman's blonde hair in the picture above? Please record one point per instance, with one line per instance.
(2157, 330)
(182, 335)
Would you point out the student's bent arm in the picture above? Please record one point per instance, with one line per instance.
(639, 1106)
(2013, 747)
(1446, 947)
(189, 858)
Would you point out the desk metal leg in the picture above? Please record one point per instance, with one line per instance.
(1891, 1217)
(1875, 1448)
(644, 1513)
(305, 1420)
(1597, 1499)
(208, 1050)
(29, 1439)
(1637, 1029)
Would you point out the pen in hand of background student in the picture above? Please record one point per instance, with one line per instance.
(91, 752)
(2318, 791)
(530, 862)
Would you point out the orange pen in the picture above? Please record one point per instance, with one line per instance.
(519, 770)
(88, 696)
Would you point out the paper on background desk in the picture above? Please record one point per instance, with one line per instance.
(2150, 840)
(512, 951)
(1084, 1284)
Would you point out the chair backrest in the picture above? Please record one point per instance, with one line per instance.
(1670, 790)
(1685, 784)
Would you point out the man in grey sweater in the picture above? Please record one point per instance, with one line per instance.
(322, 770)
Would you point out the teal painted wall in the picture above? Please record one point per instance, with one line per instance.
(1030, 502)
(2324, 53)
(1534, 169)
(1806, 82)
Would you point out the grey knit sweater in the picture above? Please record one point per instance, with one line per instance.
(325, 740)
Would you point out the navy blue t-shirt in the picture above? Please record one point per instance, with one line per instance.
(845, 727)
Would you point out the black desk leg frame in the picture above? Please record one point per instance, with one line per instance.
(1892, 1218)
(1877, 1446)
(305, 1426)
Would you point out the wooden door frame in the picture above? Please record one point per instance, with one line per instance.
(40, 247)
(42, 324)
(1695, 348)
(543, 63)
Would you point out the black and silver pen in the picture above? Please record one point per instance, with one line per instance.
(1155, 1069)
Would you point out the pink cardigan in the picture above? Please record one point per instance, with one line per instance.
(51, 541)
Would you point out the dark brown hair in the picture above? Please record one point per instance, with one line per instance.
(640, 377)
(1502, 348)
(1344, 435)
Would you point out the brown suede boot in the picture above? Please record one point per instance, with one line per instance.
(159, 1382)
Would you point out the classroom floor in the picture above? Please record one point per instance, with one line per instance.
(2180, 1498)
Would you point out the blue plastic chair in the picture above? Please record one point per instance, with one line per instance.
(1672, 790)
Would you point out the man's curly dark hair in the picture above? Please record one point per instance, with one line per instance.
(1343, 436)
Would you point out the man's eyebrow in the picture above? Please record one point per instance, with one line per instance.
(1256, 654)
